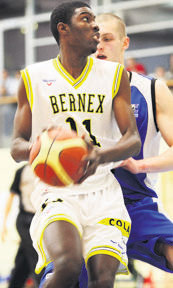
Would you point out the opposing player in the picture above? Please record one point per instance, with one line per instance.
(151, 238)
(87, 220)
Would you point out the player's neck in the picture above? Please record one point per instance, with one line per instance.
(122, 61)
(73, 64)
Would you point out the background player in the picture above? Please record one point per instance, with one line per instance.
(72, 73)
(26, 257)
(151, 238)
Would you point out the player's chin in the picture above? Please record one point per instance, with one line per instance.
(93, 48)
(90, 50)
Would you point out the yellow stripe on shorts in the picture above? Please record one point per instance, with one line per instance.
(111, 251)
(40, 246)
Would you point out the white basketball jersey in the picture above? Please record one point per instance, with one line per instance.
(137, 186)
(83, 104)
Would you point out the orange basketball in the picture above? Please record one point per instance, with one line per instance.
(56, 157)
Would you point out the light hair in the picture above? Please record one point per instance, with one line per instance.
(112, 17)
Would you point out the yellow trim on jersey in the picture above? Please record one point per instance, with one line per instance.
(123, 225)
(117, 80)
(28, 86)
(108, 250)
(25, 83)
(74, 82)
(40, 246)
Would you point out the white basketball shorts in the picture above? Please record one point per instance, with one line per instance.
(100, 218)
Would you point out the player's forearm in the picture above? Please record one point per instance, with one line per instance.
(160, 163)
(128, 146)
(20, 149)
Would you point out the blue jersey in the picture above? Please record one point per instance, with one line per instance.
(137, 186)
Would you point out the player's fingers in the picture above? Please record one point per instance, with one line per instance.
(84, 177)
(122, 164)
(90, 146)
(90, 169)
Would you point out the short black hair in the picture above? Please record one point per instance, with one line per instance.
(63, 13)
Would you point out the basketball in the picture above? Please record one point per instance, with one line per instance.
(56, 157)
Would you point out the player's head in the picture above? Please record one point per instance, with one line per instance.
(113, 38)
(74, 23)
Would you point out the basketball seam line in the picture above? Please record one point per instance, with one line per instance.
(48, 154)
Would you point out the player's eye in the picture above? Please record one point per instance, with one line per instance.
(106, 39)
(85, 19)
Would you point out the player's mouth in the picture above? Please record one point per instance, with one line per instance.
(101, 56)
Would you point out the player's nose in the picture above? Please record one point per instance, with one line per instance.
(95, 27)
(100, 46)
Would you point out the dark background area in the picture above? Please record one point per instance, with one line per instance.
(15, 44)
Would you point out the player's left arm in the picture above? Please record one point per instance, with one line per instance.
(164, 117)
(130, 143)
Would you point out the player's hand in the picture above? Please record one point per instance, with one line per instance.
(131, 165)
(92, 161)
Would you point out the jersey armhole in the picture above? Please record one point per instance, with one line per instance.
(153, 97)
(130, 76)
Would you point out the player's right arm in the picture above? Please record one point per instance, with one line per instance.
(21, 145)
(164, 117)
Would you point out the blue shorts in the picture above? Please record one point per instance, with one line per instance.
(149, 224)
(48, 270)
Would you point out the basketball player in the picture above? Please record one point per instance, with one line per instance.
(87, 220)
(74, 89)
(26, 256)
(151, 238)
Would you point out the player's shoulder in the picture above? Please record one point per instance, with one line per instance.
(141, 80)
(141, 77)
(40, 66)
(161, 88)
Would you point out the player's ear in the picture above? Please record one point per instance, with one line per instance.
(126, 42)
(62, 28)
